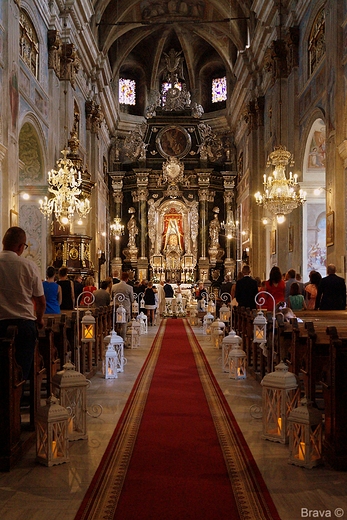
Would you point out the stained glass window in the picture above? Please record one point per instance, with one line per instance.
(219, 89)
(316, 44)
(127, 91)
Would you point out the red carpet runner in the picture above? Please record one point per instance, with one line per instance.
(177, 452)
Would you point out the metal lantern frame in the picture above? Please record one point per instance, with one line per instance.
(280, 396)
(225, 313)
(229, 342)
(109, 365)
(70, 386)
(87, 334)
(193, 318)
(237, 361)
(133, 334)
(258, 332)
(143, 320)
(52, 445)
(217, 333)
(121, 314)
(207, 322)
(305, 435)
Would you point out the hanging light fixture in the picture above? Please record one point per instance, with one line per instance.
(230, 228)
(65, 185)
(117, 229)
(282, 194)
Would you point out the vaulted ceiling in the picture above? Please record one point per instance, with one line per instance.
(135, 34)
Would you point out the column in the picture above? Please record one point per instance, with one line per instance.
(141, 196)
(205, 196)
(117, 186)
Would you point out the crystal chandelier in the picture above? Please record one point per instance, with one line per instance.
(281, 194)
(230, 228)
(117, 229)
(65, 186)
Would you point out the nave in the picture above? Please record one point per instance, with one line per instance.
(36, 492)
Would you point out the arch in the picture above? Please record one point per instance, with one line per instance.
(314, 214)
(31, 157)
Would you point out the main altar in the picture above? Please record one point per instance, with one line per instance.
(173, 188)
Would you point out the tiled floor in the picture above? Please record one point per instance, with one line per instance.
(34, 492)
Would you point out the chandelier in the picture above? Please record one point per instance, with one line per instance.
(281, 194)
(65, 186)
(117, 229)
(230, 228)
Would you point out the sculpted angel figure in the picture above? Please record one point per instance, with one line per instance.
(133, 231)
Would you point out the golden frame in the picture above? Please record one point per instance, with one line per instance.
(330, 225)
(14, 218)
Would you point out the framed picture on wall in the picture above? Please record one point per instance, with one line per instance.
(290, 239)
(330, 229)
(273, 242)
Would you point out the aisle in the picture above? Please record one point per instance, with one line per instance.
(177, 452)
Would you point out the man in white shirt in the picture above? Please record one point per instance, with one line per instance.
(22, 300)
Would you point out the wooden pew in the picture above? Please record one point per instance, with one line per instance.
(11, 385)
(49, 353)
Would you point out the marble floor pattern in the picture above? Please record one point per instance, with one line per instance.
(32, 491)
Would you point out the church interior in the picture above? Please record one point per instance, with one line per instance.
(178, 140)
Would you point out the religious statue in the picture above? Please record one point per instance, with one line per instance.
(133, 231)
(214, 229)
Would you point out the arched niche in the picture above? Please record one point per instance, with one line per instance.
(314, 214)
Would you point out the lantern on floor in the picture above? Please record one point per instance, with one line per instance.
(109, 365)
(280, 396)
(228, 343)
(207, 322)
(305, 435)
(211, 307)
(88, 327)
(193, 317)
(133, 334)
(224, 313)
(121, 314)
(259, 328)
(237, 361)
(70, 387)
(142, 319)
(217, 333)
(52, 445)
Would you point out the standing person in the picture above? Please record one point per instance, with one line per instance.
(311, 289)
(124, 288)
(201, 296)
(115, 276)
(296, 301)
(275, 285)
(150, 304)
(52, 292)
(331, 294)
(102, 296)
(131, 280)
(67, 289)
(246, 289)
(169, 292)
(89, 286)
(161, 298)
(290, 278)
(78, 286)
(22, 300)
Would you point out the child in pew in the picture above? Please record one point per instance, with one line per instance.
(296, 300)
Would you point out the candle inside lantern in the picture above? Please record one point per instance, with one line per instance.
(302, 451)
(54, 449)
(279, 422)
(70, 425)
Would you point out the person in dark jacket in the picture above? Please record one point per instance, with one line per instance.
(246, 289)
(168, 290)
(331, 295)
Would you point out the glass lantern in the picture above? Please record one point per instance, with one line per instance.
(224, 313)
(259, 328)
(88, 327)
(237, 362)
(217, 333)
(193, 317)
(112, 362)
(305, 435)
(207, 322)
(52, 445)
(134, 308)
(121, 315)
(142, 319)
(228, 343)
(133, 334)
(280, 396)
(211, 307)
(70, 387)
